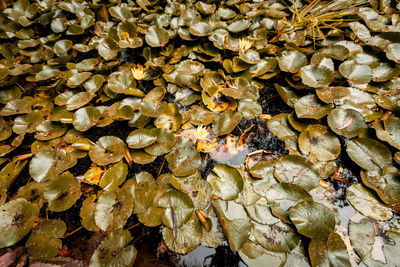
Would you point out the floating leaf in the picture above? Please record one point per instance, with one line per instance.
(329, 252)
(16, 220)
(156, 36)
(346, 122)
(184, 159)
(234, 221)
(367, 204)
(316, 142)
(226, 122)
(108, 149)
(87, 214)
(310, 107)
(44, 242)
(114, 250)
(141, 138)
(312, 219)
(316, 76)
(283, 196)
(178, 209)
(226, 181)
(292, 61)
(255, 255)
(62, 192)
(187, 238)
(115, 175)
(297, 170)
(369, 153)
(85, 118)
(389, 131)
(113, 208)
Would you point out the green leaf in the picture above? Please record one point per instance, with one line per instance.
(141, 138)
(156, 36)
(329, 252)
(16, 220)
(178, 209)
(62, 192)
(226, 181)
(368, 153)
(114, 250)
(312, 219)
(367, 204)
(108, 149)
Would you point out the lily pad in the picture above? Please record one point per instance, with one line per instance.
(368, 153)
(16, 220)
(226, 181)
(292, 61)
(85, 118)
(297, 170)
(108, 149)
(329, 252)
(316, 142)
(62, 192)
(283, 196)
(312, 219)
(115, 250)
(310, 107)
(178, 209)
(316, 76)
(226, 122)
(141, 138)
(157, 36)
(367, 204)
(44, 242)
(346, 122)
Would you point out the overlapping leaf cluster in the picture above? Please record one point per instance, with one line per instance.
(182, 75)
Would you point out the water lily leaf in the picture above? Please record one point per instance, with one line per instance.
(61, 47)
(201, 116)
(393, 52)
(389, 131)
(312, 219)
(283, 197)
(26, 123)
(384, 72)
(234, 222)
(316, 142)
(279, 237)
(297, 170)
(87, 214)
(44, 242)
(310, 107)
(76, 78)
(143, 190)
(239, 25)
(152, 106)
(184, 160)
(9, 94)
(255, 255)
(113, 208)
(386, 184)
(114, 250)
(33, 192)
(186, 238)
(62, 192)
(215, 236)
(199, 190)
(108, 149)
(87, 64)
(329, 252)
(48, 130)
(141, 138)
(200, 29)
(333, 94)
(17, 106)
(10, 172)
(16, 220)
(122, 81)
(355, 72)
(115, 175)
(368, 153)
(346, 122)
(316, 76)
(261, 213)
(247, 196)
(5, 129)
(94, 83)
(108, 48)
(142, 157)
(374, 249)
(85, 118)
(164, 144)
(297, 257)
(226, 122)
(156, 36)
(41, 165)
(367, 204)
(292, 61)
(79, 100)
(226, 181)
(280, 127)
(178, 209)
